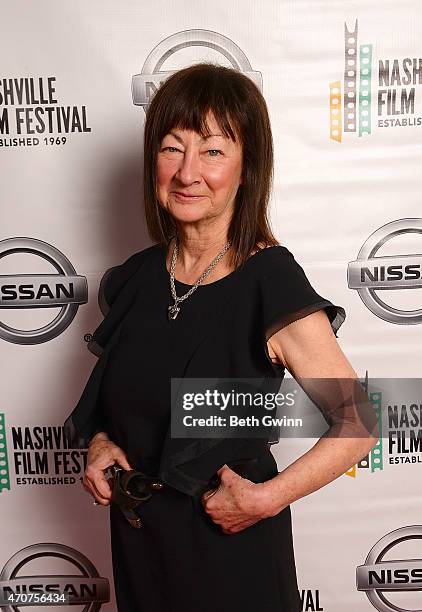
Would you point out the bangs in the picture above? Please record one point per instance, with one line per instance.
(191, 102)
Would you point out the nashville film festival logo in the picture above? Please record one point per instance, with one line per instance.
(373, 461)
(31, 114)
(83, 587)
(400, 430)
(387, 84)
(398, 410)
(145, 84)
(65, 289)
(38, 455)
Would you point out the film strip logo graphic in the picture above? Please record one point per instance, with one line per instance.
(4, 464)
(374, 459)
(350, 111)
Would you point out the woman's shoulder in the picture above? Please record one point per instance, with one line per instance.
(276, 269)
(269, 260)
(133, 261)
(115, 278)
(286, 292)
(277, 249)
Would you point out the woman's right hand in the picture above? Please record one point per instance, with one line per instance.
(102, 453)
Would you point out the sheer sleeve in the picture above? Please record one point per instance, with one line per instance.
(287, 295)
(114, 279)
(117, 290)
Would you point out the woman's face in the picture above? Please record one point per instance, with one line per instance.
(198, 178)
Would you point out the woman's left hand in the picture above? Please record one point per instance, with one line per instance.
(237, 503)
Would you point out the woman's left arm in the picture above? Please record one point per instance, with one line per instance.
(308, 348)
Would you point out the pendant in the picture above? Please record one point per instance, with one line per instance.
(173, 311)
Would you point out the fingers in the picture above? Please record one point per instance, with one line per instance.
(236, 526)
(99, 489)
(91, 488)
(206, 496)
(102, 454)
(96, 483)
(234, 508)
(121, 460)
(101, 486)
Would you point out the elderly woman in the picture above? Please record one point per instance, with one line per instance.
(215, 296)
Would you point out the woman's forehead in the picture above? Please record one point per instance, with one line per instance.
(208, 128)
(179, 132)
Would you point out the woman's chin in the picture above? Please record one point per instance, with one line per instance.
(188, 214)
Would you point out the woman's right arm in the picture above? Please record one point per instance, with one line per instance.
(102, 453)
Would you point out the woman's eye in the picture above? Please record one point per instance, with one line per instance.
(211, 152)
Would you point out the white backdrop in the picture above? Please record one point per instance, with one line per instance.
(71, 205)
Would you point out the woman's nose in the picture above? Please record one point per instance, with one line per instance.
(189, 170)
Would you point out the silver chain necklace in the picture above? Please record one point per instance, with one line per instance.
(174, 309)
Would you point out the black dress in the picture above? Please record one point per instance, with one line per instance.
(181, 561)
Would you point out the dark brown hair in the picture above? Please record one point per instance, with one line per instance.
(183, 101)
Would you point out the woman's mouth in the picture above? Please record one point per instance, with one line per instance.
(187, 197)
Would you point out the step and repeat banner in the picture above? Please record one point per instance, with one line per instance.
(343, 83)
